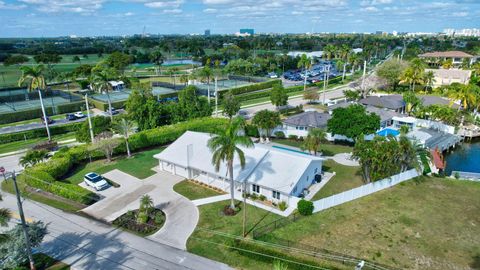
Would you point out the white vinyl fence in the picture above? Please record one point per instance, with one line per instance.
(364, 190)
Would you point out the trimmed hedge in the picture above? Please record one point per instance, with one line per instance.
(11, 117)
(70, 107)
(103, 106)
(39, 132)
(62, 162)
(250, 88)
(305, 208)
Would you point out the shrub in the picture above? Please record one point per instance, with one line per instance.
(279, 134)
(293, 137)
(282, 205)
(99, 124)
(252, 131)
(254, 196)
(159, 218)
(39, 132)
(305, 207)
(47, 145)
(262, 197)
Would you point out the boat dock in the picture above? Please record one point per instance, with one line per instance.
(466, 175)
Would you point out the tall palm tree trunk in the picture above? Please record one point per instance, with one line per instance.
(127, 145)
(305, 80)
(44, 114)
(208, 90)
(232, 185)
(109, 106)
(244, 208)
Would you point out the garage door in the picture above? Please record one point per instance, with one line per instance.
(181, 171)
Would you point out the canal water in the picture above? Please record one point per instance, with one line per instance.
(465, 157)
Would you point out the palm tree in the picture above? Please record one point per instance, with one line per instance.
(312, 142)
(146, 206)
(5, 216)
(344, 51)
(429, 79)
(157, 58)
(34, 76)
(184, 79)
(101, 83)
(225, 148)
(125, 127)
(329, 51)
(33, 157)
(305, 63)
(206, 74)
(467, 94)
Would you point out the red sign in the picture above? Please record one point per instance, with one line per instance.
(2, 169)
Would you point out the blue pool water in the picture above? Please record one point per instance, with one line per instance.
(289, 149)
(465, 158)
(388, 131)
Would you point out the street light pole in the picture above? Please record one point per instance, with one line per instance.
(24, 224)
(216, 97)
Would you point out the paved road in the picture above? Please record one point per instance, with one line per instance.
(10, 163)
(87, 244)
(39, 124)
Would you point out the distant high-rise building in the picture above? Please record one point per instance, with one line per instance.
(249, 31)
(207, 32)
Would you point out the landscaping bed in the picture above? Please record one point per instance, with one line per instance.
(128, 221)
(193, 190)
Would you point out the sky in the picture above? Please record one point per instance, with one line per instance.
(50, 18)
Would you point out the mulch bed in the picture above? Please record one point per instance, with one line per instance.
(128, 221)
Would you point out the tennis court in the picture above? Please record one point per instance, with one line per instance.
(114, 96)
(223, 84)
(7, 107)
(158, 90)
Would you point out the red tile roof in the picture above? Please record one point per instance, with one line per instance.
(453, 54)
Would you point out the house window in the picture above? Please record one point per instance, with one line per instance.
(256, 188)
(276, 195)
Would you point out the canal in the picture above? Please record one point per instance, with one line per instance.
(465, 157)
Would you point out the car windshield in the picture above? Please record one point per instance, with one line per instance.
(94, 177)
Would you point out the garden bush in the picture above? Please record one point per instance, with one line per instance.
(262, 197)
(305, 207)
(293, 137)
(252, 131)
(279, 134)
(39, 132)
(282, 205)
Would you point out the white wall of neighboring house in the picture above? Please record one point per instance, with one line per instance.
(435, 125)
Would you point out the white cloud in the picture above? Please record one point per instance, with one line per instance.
(370, 9)
(76, 6)
(129, 14)
(164, 4)
(210, 10)
(297, 12)
(173, 11)
(460, 14)
(3, 5)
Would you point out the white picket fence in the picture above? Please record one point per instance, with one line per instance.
(364, 190)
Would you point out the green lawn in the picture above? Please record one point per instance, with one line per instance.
(346, 178)
(430, 223)
(207, 240)
(328, 149)
(45, 262)
(19, 145)
(194, 191)
(140, 166)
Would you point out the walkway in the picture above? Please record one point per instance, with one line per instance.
(313, 189)
(181, 214)
(345, 159)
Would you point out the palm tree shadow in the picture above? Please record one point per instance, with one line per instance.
(90, 250)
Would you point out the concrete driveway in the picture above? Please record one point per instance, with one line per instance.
(181, 214)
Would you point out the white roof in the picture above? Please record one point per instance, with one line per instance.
(116, 83)
(265, 166)
(407, 119)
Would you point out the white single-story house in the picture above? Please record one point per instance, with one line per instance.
(449, 76)
(273, 172)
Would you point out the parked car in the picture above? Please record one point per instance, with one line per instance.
(49, 120)
(114, 111)
(96, 181)
(70, 117)
(79, 115)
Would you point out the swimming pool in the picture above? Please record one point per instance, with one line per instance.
(388, 131)
(289, 149)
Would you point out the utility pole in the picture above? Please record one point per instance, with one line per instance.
(216, 97)
(24, 224)
(244, 195)
(324, 85)
(90, 128)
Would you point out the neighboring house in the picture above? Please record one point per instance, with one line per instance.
(275, 173)
(300, 124)
(436, 100)
(117, 85)
(386, 116)
(434, 139)
(436, 58)
(449, 76)
(391, 102)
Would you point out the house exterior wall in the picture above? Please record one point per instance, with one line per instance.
(307, 178)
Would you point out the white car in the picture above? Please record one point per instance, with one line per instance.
(96, 181)
(79, 115)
